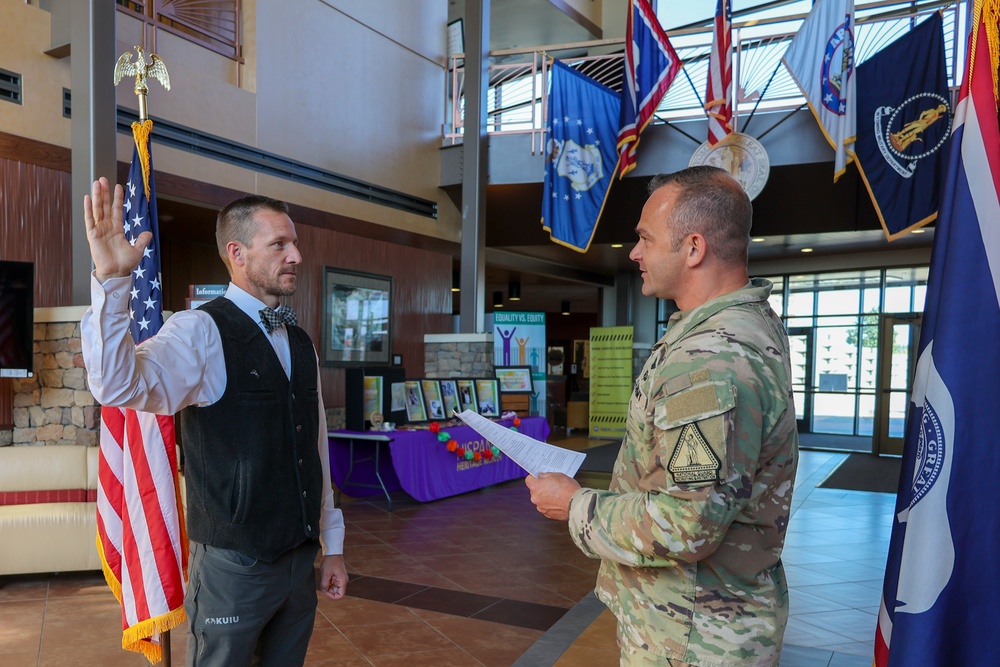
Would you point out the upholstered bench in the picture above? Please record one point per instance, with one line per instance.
(48, 520)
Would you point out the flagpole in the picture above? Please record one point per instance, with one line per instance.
(696, 95)
(142, 70)
(760, 97)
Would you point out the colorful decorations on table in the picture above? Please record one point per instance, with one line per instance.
(468, 454)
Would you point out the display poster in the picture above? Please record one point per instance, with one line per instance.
(610, 365)
(373, 396)
(519, 340)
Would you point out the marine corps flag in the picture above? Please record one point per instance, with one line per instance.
(580, 156)
(821, 60)
(939, 600)
(904, 123)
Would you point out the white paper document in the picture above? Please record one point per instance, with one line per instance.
(533, 455)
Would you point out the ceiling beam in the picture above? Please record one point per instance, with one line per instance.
(516, 262)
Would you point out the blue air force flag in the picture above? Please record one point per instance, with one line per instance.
(939, 601)
(580, 156)
(821, 60)
(904, 123)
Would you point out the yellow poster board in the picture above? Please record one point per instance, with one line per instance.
(610, 380)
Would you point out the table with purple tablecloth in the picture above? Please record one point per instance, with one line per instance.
(419, 463)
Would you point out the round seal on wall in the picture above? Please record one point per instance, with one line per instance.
(739, 154)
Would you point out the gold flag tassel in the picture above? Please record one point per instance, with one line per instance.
(987, 11)
(140, 133)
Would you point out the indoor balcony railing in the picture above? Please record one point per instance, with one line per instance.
(518, 78)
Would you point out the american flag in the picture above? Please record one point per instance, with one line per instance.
(140, 527)
(718, 92)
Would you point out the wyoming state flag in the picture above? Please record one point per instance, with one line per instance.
(904, 123)
(939, 601)
(580, 157)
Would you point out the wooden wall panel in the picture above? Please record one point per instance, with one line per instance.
(6, 403)
(35, 226)
(421, 298)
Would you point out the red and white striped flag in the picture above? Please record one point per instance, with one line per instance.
(718, 92)
(140, 525)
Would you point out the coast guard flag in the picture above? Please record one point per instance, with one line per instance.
(718, 91)
(651, 64)
(580, 157)
(821, 60)
(904, 122)
(140, 527)
(940, 601)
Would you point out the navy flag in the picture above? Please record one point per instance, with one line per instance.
(904, 122)
(581, 157)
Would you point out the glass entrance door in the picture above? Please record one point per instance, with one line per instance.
(801, 344)
(898, 340)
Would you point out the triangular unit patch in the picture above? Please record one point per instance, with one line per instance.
(693, 460)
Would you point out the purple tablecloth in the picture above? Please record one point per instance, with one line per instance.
(422, 465)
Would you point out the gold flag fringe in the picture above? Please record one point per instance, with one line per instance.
(140, 133)
(987, 11)
(137, 637)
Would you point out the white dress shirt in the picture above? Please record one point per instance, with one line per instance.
(182, 365)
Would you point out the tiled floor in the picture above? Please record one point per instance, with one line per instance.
(483, 579)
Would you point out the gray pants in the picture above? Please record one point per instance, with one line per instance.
(242, 611)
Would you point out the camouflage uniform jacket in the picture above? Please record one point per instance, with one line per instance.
(690, 532)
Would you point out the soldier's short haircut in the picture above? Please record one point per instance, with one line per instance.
(238, 221)
(712, 203)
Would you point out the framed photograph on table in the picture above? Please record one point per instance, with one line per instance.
(449, 396)
(514, 379)
(415, 406)
(488, 398)
(467, 395)
(357, 318)
(432, 399)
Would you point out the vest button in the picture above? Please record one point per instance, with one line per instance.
(293, 395)
(300, 461)
(309, 528)
(304, 494)
(298, 427)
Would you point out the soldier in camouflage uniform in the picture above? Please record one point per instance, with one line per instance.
(691, 530)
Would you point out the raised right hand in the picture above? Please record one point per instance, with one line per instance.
(113, 255)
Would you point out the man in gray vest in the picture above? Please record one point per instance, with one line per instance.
(245, 380)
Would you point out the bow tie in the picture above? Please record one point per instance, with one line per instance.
(273, 319)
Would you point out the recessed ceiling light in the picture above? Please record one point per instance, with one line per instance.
(617, 245)
(918, 231)
(758, 239)
(807, 250)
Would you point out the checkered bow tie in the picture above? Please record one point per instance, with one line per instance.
(272, 319)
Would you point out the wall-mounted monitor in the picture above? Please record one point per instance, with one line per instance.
(17, 318)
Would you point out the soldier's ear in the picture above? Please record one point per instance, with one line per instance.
(696, 248)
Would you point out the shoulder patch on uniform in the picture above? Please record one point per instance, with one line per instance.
(693, 459)
(674, 385)
(701, 375)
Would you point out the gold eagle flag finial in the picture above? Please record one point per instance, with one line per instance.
(142, 70)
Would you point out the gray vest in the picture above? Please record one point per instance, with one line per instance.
(251, 465)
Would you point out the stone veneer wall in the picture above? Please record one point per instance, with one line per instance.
(55, 407)
(458, 356)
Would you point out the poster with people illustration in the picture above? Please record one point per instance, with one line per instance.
(519, 340)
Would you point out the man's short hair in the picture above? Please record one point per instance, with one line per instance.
(237, 221)
(711, 202)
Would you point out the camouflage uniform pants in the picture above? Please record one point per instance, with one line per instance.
(635, 656)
